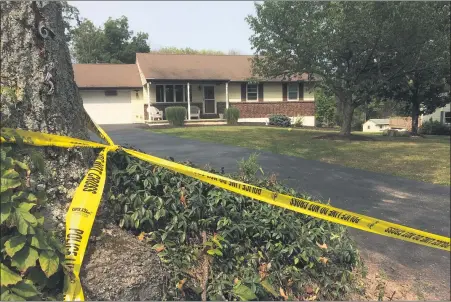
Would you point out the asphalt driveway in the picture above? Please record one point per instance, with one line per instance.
(416, 204)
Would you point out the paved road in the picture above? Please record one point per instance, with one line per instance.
(408, 202)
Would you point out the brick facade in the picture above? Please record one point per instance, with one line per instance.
(259, 110)
(249, 110)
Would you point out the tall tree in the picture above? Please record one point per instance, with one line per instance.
(38, 93)
(425, 88)
(114, 43)
(89, 44)
(351, 46)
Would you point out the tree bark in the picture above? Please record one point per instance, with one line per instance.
(415, 114)
(347, 112)
(36, 66)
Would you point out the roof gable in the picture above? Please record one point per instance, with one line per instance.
(107, 75)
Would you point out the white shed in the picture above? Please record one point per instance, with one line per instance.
(376, 125)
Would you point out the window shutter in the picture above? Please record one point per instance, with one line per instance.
(442, 117)
(284, 92)
(243, 92)
(301, 91)
(260, 92)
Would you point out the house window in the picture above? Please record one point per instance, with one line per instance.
(448, 117)
(380, 126)
(110, 92)
(137, 94)
(178, 93)
(252, 92)
(171, 93)
(369, 127)
(293, 89)
(160, 94)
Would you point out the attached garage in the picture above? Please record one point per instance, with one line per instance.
(108, 106)
(111, 93)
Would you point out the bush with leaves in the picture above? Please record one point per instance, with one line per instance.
(435, 128)
(224, 246)
(279, 120)
(232, 115)
(31, 257)
(176, 115)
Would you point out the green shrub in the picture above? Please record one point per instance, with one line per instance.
(434, 128)
(249, 249)
(31, 257)
(232, 115)
(279, 120)
(298, 122)
(175, 115)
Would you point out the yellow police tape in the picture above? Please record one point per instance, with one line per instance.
(79, 221)
(86, 200)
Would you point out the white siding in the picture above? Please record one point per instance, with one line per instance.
(108, 109)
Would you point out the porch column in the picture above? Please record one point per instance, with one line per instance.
(189, 106)
(227, 95)
(148, 92)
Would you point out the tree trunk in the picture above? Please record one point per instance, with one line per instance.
(415, 116)
(347, 112)
(38, 93)
(36, 66)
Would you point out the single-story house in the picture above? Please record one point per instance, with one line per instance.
(121, 93)
(376, 125)
(443, 115)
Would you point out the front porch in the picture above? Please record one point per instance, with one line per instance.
(210, 98)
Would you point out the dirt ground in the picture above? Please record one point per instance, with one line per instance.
(381, 285)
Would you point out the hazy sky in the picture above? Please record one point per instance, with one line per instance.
(217, 25)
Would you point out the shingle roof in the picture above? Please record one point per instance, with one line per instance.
(107, 75)
(196, 67)
(380, 121)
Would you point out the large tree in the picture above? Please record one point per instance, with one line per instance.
(38, 93)
(351, 46)
(114, 43)
(426, 87)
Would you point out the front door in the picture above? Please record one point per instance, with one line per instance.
(209, 100)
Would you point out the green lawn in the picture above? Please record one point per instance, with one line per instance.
(424, 159)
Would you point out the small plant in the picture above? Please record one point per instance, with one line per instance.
(298, 121)
(279, 120)
(31, 257)
(248, 168)
(435, 128)
(232, 115)
(176, 115)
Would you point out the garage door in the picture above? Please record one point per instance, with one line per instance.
(114, 109)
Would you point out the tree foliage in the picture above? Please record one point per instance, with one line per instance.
(71, 19)
(190, 51)
(427, 87)
(114, 43)
(324, 107)
(353, 47)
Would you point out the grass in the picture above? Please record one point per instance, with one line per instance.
(425, 159)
